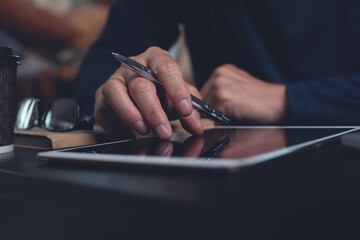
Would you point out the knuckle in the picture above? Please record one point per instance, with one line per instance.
(221, 95)
(98, 91)
(140, 86)
(111, 88)
(242, 71)
(218, 71)
(167, 67)
(179, 90)
(117, 72)
(218, 82)
(180, 97)
(153, 49)
(154, 116)
(127, 114)
(228, 66)
(223, 69)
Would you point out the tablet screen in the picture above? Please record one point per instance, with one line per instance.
(224, 143)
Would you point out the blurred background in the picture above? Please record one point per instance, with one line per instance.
(52, 36)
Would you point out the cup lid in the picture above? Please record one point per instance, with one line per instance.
(7, 57)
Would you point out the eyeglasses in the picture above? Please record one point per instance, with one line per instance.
(63, 115)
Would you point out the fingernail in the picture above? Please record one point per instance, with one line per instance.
(163, 132)
(184, 107)
(141, 127)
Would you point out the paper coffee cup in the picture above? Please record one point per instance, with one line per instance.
(8, 69)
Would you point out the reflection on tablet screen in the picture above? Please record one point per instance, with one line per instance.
(216, 143)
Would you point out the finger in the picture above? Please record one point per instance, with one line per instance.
(143, 93)
(170, 75)
(192, 123)
(116, 96)
(169, 106)
(109, 121)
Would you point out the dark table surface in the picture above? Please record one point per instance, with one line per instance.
(313, 194)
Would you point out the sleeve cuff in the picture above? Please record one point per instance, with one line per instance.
(298, 111)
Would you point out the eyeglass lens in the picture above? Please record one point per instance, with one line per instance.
(62, 115)
(28, 114)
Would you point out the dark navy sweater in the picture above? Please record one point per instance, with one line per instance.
(312, 46)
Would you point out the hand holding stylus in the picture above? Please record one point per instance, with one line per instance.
(127, 100)
(149, 74)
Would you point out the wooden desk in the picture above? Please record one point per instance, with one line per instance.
(313, 194)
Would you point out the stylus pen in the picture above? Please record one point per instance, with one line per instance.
(147, 73)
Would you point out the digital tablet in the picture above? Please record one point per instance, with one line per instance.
(219, 148)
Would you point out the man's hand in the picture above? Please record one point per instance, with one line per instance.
(243, 97)
(127, 101)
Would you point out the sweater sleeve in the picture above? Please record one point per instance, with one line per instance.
(132, 27)
(328, 101)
